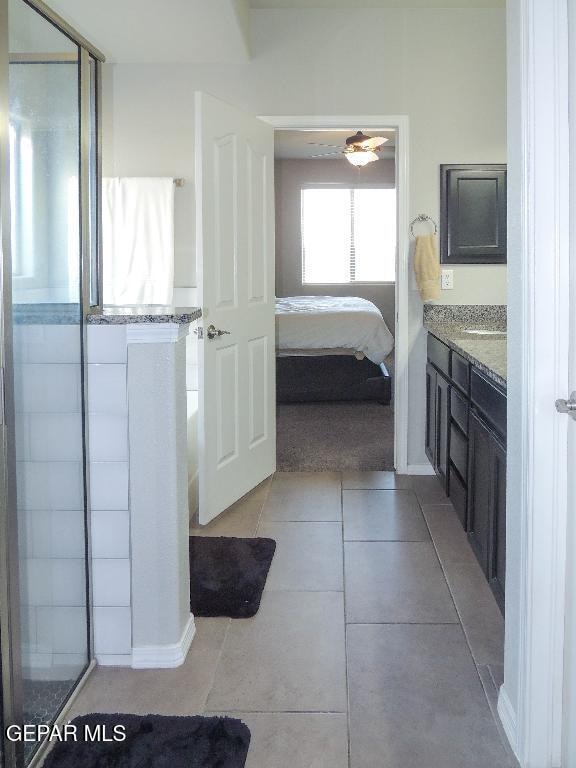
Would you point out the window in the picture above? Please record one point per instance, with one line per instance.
(348, 235)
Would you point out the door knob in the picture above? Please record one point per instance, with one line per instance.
(567, 406)
(213, 333)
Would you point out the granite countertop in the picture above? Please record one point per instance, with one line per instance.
(153, 313)
(487, 352)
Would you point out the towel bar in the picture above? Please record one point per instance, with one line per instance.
(423, 217)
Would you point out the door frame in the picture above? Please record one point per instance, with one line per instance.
(400, 124)
(531, 700)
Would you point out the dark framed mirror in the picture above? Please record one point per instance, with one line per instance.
(473, 214)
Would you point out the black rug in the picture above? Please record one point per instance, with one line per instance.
(228, 575)
(153, 741)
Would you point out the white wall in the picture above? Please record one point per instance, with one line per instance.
(290, 176)
(444, 68)
(515, 458)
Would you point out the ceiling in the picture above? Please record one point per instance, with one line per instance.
(301, 145)
(135, 31)
(357, 4)
(198, 31)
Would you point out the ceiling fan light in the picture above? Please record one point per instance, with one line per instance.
(361, 158)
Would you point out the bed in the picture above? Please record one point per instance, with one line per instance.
(331, 348)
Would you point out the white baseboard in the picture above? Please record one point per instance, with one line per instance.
(165, 656)
(508, 719)
(419, 469)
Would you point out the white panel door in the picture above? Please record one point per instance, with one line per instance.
(235, 254)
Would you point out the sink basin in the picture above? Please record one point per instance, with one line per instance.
(484, 332)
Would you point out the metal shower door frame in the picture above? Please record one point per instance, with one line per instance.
(10, 655)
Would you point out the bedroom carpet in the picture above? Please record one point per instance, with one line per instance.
(155, 742)
(228, 575)
(331, 437)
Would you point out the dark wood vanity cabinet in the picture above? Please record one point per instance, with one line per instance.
(438, 406)
(480, 456)
(466, 444)
(497, 574)
(431, 414)
(437, 414)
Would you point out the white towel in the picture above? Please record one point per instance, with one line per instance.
(138, 240)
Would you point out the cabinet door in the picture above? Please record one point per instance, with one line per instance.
(497, 574)
(431, 414)
(442, 427)
(480, 459)
(473, 214)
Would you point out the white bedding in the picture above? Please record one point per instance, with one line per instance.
(324, 323)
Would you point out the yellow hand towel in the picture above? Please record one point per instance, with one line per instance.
(427, 267)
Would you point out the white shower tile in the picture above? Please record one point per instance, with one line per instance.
(68, 581)
(22, 435)
(47, 343)
(108, 437)
(111, 533)
(67, 531)
(107, 344)
(47, 388)
(50, 485)
(53, 581)
(63, 629)
(36, 586)
(52, 534)
(29, 625)
(107, 388)
(56, 437)
(109, 485)
(112, 630)
(69, 665)
(111, 582)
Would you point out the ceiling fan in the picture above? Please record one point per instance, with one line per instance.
(358, 150)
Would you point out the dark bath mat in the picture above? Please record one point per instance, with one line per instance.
(228, 575)
(153, 741)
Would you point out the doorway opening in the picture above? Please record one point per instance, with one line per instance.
(341, 288)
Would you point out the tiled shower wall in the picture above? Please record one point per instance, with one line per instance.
(50, 492)
(109, 476)
(50, 498)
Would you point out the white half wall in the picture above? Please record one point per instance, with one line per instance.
(444, 68)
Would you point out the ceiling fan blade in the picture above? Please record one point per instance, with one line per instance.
(326, 154)
(374, 142)
(319, 144)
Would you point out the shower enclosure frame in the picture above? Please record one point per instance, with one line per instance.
(11, 696)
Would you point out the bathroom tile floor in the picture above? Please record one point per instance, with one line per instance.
(378, 643)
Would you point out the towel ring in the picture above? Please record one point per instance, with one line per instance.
(423, 217)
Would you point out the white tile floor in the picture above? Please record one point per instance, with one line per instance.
(377, 644)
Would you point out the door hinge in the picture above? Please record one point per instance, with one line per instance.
(199, 332)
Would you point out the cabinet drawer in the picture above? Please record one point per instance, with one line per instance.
(489, 400)
(439, 354)
(458, 496)
(459, 410)
(461, 372)
(459, 451)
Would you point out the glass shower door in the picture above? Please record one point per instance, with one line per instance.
(47, 317)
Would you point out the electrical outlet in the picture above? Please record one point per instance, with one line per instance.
(447, 282)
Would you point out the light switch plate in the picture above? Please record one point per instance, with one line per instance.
(447, 282)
